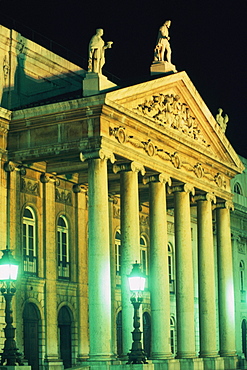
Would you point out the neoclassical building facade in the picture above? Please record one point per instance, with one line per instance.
(95, 177)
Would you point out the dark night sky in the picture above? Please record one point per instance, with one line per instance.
(208, 40)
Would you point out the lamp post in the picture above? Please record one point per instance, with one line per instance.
(8, 274)
(137, 285)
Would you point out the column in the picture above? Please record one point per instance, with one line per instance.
(82, 296)
(159, 276)
(184, 272)
(99, 287)
(206, 276)
(225, 281)
(113, 275)
(130, 234)
(49, 224)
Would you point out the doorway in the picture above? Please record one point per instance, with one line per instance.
(64, 327)
(31, 324)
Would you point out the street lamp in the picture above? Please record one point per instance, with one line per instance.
(137, 285)
(8, 274)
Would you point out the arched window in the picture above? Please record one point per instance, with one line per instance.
(242, 282)
(144, 254)
(237, 188)
(118, 253)
(172, 335)
(29, 242)
(63, 248)
(171, 267)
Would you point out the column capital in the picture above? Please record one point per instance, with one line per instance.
(210, 197)
(187, 188)
(79, 188)
(11, 166)
(49, 177)
(158, 177)
(228, 204)
(103, 154)
(129, 166)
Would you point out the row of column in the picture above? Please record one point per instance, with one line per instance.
(99, 266)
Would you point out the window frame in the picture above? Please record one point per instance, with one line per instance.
(63, 259)
(29, 242)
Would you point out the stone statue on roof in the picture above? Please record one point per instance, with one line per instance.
(162, 52)
(97, 48)
(162, 49)
(222, 121)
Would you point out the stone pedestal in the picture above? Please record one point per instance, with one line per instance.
(213, 363)
(94, 83)
(162, 68)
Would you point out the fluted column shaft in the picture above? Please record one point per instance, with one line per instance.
(184, 274)
(159, 277)
(225, 282)
(99, 288)
(206, 277)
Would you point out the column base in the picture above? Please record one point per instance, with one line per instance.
(161, 356)
(186, 355)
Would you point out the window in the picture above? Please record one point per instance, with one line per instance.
(29, 241)
(118, 253)
(143, 251)
(63, 248)
(237, 188)
(172, 335)
(171, 267)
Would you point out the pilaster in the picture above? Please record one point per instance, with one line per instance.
(49, 221)
(82, 299)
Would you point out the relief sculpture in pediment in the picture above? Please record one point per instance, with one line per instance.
(169, 111)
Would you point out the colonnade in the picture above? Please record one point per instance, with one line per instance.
(99, 266)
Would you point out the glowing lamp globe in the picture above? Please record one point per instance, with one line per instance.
(8, 266)
(136, 279)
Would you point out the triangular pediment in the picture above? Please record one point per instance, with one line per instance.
(172, 105)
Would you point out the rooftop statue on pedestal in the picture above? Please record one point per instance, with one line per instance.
(222, 121)
(162, 44)
(97, 48)
(162, 52)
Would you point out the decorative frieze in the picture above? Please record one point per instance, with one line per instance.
(30, 186)
(174, 157)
